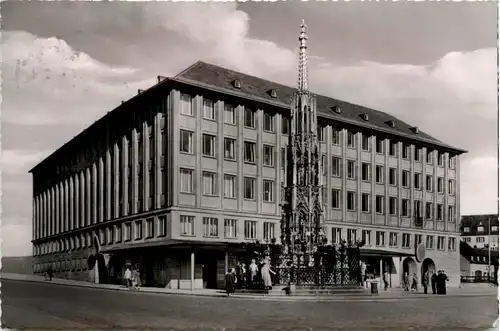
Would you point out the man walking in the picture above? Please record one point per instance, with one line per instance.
(425, 281)
(128, 277)
(433, 281)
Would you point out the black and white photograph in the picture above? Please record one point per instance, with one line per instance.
(249, 165)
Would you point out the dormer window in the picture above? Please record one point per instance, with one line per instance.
(236, 83)
(337, 109)
(494, 228)
(415, 129)
(466, 229)
(364, 117)
(273, 93)
(480, 227)
(391, 123)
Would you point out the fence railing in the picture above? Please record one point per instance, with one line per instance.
(479, 279)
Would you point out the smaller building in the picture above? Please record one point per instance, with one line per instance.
(480, 231)
(474, 263)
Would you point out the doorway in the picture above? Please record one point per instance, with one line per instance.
(209, 262)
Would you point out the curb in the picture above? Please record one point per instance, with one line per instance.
(283, 298)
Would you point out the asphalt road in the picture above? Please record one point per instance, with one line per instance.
(50, 306)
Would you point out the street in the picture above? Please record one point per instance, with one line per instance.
(50, 306)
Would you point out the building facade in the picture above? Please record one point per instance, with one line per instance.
(178, 176)
(480, 231)
(477, 263)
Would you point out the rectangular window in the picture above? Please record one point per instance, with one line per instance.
(187, 225)
(186, 142)
(392, 176)
(418, 154)
(366, 171)
(380, 238)
(405, 207)
(417, 206)
(429, 242)
(351, 169)
(162, 226)
(230, 228)
(365, 203)
(451, 187)
(208, 109)
(268, 190)
(283, 157)
(440, 243)
(249, 152)
(440, 159)
(138, 230)
(380, 145)
(429, 156)
(428, 210)
(351, 235)
(323, 164)
(209, 183)
(428, 183)
(451, 214)
(406, 152)
(269, 229)
(285, 125)
(186, 104)
(335, 198)
(150, 230)
(118, 233)
(351, 201)
(406, 178)
(250, 229)
(210, 227)
(268, 122)
(336, 235)
(406, 240)
(229, 186)
(335, 136)
(418, 239)
(229, 114)
(393, 239)
(321, 133)
(379, 204)
(440, 185)
(379, 174)
(186, 180)
(451, 162)
(229, 149)
(351, 140)
(393, 148)
(268, 155)
(249, 119)
(365, 142)
(393, 205)
(366, 236)
(439, 215)
(451, 244)
(208, 145)
(335, 166)
(249, 188)
(417, 181)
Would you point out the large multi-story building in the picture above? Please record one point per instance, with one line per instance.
(480, 231)
(177, 177)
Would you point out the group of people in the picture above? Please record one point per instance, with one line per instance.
(241, 277)
(437, 281)
(132, 277)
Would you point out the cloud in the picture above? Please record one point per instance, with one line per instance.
(51, 90)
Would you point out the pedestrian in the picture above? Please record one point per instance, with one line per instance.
(50, 273)
(414, 284)
(253, 271)
(425, 281)
(128, 277)
(266, 275)
(434, 281)
(406, 281)
(386, 280)
(230, 280)
(136, 277)
(363, 273)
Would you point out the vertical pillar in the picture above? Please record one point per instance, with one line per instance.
(100, 187)
(62, 198)
(381, 273)
(259, 183)
(107, 185)
(124, 174)
(226, 262)
(116, 199)
(88, 198)
(66, 205)
(146, 129)
(52, 211)
(33, 220)
(82, 183)
(157, 162)
(192, 271)
(133, 168)
(57, 210)
(94, 202)
(71, 196)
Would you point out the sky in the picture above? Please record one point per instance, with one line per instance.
(65, 64)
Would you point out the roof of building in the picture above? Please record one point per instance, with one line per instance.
(469, 252)
(222, 80)
(474, 221)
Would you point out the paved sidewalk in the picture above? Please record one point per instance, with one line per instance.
(392, 294)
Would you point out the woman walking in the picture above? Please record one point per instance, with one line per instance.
(230, 280)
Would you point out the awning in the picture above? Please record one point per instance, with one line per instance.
(369, 252)
(171, 243)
